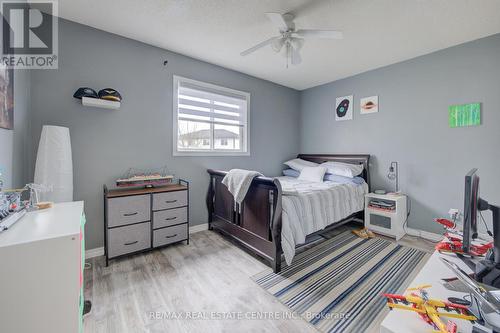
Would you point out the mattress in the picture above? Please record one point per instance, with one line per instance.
(309, 207)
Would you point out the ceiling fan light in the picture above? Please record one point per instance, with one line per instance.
(297, 43)
(284, 52)
(277, 45)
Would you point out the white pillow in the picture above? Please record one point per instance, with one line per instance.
(343, 169)
(299, 164)
(313, 174)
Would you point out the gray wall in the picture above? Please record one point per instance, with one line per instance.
(14, 144)
(105, 143)
(412, 125)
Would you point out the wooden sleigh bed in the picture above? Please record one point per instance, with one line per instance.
(257, 224)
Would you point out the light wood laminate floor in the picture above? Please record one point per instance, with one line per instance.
(207, 279)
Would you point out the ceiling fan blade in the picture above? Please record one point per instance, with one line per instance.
(279, 21)
(258, 46)
(311, 33)
(295, 57)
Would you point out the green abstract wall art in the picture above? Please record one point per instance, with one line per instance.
(464, 115)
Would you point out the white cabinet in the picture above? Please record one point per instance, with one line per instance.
(41, 271)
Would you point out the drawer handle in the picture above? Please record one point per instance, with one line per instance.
(170, 218)
(130, 214)
(170, 201)
(131, 243)
(171, 236)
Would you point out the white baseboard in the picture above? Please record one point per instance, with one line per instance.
(92, 253)
(99, 251)
(198, 228)
(424, 234)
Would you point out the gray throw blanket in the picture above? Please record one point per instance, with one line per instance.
(238, 182)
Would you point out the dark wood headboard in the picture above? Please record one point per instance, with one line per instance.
(346, 158)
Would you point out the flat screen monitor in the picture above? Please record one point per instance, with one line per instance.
(471, 199)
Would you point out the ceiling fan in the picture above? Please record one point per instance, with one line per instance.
(291, 40)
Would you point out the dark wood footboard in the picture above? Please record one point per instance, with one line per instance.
(255, 225)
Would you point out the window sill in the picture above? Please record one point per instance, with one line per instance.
(208, 154)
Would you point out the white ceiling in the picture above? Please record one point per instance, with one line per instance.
(376, 32)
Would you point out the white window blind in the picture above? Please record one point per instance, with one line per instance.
(209, 119)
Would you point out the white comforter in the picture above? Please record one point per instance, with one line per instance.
(309, 207)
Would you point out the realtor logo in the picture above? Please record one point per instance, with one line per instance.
(29, 34)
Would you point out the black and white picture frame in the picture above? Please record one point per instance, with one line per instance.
(343, 108)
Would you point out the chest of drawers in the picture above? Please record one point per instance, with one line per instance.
(137, 220)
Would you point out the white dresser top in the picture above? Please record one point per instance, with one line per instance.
(63, 219)
(432, 273)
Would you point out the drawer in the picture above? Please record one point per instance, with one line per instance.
(170, 235)
(169, 200)
(129, 239)
(165, 218)
(127, 210)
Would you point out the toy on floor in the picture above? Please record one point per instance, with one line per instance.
(453, 240)
(430, 310)
(363, 233)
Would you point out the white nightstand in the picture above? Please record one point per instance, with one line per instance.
(386, 222)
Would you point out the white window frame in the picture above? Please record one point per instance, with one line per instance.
(214, 152)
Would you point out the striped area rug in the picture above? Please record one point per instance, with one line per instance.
(337, 285)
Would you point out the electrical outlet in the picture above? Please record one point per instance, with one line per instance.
(454, 214)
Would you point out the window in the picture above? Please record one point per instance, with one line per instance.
(209, 120)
